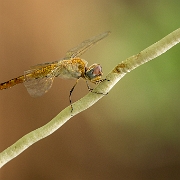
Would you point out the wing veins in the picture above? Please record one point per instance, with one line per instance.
(85, 45)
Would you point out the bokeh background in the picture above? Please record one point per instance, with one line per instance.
(133, 132)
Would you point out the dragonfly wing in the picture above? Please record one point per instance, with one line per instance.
(40, 66)
(37, 82)
(85, 45)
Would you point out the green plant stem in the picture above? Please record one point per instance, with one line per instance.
(87, 101)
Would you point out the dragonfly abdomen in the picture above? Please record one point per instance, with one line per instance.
(12, 82)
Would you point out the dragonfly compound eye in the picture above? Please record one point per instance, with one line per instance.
(94, 73)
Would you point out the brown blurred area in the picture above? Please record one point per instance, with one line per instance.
(133, 133)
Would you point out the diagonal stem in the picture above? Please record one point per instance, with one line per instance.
(87, 101)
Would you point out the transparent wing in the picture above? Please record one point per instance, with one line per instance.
(39, 79)
(40, 66)
(85, 45)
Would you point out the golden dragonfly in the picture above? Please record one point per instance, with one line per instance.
(38, 80)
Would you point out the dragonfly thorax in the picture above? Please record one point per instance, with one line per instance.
(71, 69)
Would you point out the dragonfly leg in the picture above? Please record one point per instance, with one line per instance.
(101, 80)
(70, 100)
(91, 89)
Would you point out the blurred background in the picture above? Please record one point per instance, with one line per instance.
(133, 132)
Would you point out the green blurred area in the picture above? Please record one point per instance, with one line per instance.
(133, 132)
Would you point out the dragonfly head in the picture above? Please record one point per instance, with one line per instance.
(94, 73)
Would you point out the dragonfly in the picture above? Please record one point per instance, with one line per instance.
(39, 78)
